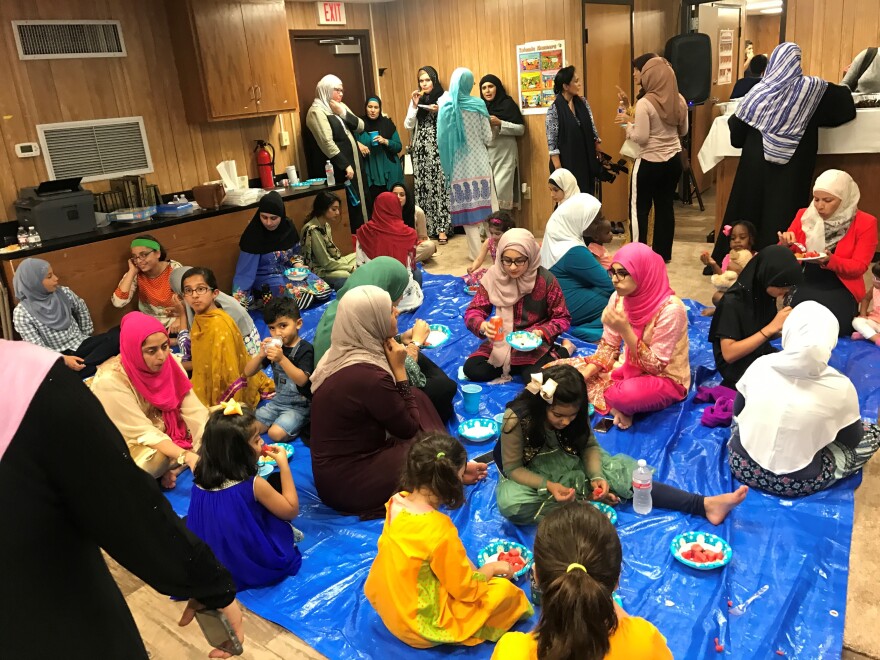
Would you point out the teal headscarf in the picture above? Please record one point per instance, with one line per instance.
(451, 139)
(386, 273)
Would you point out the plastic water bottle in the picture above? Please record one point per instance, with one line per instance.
(328, 170)
(32, 237)
(642, 488)
(39, 238)
(22, 238)
(352, 195)
(621, 108)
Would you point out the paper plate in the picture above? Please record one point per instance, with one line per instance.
(264, 469)
(266, 460)
(479, 429)
(490, 553)
(296, 274)
(708, 540)
(499, 418)
(522, 340)
(438, 336)
(609, 511)
(822, 255)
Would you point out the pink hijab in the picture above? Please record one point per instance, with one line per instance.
(652, 284)
(504, 291)
(164, 389)
(23, 367)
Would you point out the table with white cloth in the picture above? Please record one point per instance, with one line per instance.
(853, 147)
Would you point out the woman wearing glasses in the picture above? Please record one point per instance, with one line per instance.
(526, 297)
(651, 371)
(149, 276)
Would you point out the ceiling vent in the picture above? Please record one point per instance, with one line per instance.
(96, 149)
(50, 40)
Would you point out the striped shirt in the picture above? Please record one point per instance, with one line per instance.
(69, 339)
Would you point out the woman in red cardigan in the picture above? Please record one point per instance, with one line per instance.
(833, 224)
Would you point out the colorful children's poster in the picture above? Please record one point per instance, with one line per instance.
(538, 63)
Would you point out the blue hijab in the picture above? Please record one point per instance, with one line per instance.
(451, 139)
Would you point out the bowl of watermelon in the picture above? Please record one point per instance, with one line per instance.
(266, 459)
(516, 554)
(701, 550)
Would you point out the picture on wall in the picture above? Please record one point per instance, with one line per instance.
(538, 62)
(725, 57)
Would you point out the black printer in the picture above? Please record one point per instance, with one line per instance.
(56, 208)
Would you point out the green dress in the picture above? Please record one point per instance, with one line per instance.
(526, 504)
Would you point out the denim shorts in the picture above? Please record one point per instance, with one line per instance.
(291, 418)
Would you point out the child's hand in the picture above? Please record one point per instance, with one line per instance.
(74, 362)
(470, 270)
(278, 454)
(600, 488)
(705, 258)
(420, 331)
(487, 330)
(561, 493)
(497, 569)
(274, 353)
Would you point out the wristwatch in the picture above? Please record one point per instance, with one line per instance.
(418, 343)
(182, 458)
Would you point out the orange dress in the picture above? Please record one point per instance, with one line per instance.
(634, 638)
(426, 590)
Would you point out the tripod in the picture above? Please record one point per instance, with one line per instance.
(688, 187)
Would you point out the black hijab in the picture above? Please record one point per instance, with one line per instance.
(409, 208)
(433, 96)
(256, 239)
(502, 106)
(382, 124)
(576, 141)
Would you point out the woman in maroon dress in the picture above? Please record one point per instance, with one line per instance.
(365, 416)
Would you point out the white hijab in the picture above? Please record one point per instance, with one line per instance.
(565, 181)
(324, 92)
(566, 227)
(823, 235)
(795, 403)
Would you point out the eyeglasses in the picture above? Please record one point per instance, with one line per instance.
(338, 89)
(619, 273)
(142, 256)
(201, 290)
(520, 261)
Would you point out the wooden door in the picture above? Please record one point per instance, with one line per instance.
(712, 20)
(265, 28)
(609, 60)
(223, 50)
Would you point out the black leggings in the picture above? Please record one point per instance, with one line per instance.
(97, 349)
(654, 185)
(478, 369)
(440, 388)
(664, 496)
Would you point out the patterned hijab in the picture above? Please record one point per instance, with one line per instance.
(565, 181)
(782, 104)
(451, 139)
(50, 309)
(824, 234)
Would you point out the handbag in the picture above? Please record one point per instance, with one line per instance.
(630, 149)
(407, 165)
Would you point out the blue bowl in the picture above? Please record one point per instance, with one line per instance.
(609, 511)
(316, 182)
(471, 289)
(522, 340)
(683, 541)
(302, 185)
(439, 327)
(296, 274)
(490, 553)
(266, 460)
(479, 429)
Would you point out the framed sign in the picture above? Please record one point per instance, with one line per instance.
(331, 13)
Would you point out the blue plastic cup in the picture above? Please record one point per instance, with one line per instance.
(373, 136)
(471, 395)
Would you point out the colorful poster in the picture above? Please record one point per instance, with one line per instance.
(725, 57)
(538, 62)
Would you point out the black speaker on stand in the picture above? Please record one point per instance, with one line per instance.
(690, 56)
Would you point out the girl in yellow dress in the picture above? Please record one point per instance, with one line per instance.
(577, 568)
(422, 583)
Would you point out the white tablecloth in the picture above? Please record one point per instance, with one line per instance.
(860, 136)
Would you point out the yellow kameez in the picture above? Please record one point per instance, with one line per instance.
(219, 357)
(426, 590)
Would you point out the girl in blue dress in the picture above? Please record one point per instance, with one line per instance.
(244, 520)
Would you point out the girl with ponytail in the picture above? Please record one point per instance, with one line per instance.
(422, 583)
(577, 567)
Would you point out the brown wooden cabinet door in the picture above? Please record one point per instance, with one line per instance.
(226, 65)
(268, 44)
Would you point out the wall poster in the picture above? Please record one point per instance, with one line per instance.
(725, 57)
(537, 64)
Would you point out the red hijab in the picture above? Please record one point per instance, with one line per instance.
(163, 389)
(648, 271)
(386, 235)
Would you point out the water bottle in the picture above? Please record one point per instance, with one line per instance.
(328, 170)
(22, 238)
(352, 195)
(32, 237)
(39, 239)
(621, 108)
(642, 488)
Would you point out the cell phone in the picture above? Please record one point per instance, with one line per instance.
(604, 425)
(488, 457)
(218, 631)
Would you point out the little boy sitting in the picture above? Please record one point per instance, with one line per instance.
(292, 360)
(596, 237)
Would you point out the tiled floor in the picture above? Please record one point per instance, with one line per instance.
(157, 617)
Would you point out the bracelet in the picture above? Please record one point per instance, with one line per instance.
(761, 330)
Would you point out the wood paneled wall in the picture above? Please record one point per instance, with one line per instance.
(654, 22)
(832, 32)
(143, 83)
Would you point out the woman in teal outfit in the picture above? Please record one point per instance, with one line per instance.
(380, 143)
(585, 283)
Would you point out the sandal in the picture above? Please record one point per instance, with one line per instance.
(442, 241)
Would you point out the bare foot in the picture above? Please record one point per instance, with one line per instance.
(570, 347)
(621, 421)
(474, 472)
(707, 311)
(611, 498)
(169, 479)
(718, 506)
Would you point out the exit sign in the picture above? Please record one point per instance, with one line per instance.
(331, 13)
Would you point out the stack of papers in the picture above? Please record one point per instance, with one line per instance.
(243, 197)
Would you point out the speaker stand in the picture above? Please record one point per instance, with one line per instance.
(688, 185)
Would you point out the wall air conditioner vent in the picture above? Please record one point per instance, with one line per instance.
(96, 149)
(49, 40)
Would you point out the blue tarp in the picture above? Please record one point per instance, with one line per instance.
(799, 549)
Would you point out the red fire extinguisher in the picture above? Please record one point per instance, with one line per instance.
(265, 164)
